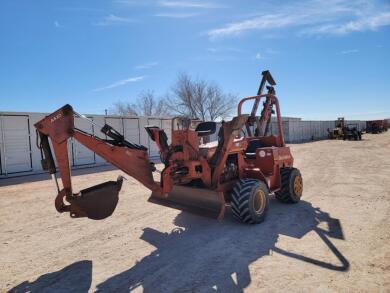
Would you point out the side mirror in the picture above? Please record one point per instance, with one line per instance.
(206, 128)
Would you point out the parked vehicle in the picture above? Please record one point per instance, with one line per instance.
(377, 126)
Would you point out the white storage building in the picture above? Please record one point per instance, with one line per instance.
(19, 154)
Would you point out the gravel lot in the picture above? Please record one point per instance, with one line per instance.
(336, 239)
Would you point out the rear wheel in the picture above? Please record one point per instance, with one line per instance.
(292, 186)
(249, 201)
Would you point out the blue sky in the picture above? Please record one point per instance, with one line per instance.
(329, 58)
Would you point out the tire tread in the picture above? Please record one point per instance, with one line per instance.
(240, 197)
(285, 193)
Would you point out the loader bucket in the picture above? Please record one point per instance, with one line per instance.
(97, 202)
(200, 201)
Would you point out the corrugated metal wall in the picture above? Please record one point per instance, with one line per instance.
(15, 142)
(301, 131)
(19, 154)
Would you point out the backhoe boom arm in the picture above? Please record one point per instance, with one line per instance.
(130, 158)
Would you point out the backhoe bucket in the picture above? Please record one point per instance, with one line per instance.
(97, 202)
(200, 201)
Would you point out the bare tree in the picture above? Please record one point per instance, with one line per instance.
(146, 105)
(200, 99)
(149, 105)
(194, 98)
(122, 108)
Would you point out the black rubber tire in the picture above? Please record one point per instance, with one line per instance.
(287, 193)
(243, 201)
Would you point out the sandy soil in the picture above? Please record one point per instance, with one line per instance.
(336, 239)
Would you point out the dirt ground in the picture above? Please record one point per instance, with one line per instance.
(336, 239)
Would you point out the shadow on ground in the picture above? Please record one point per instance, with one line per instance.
(205, 255)
(75, 278)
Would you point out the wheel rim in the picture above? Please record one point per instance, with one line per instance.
(298, 186)
(259, 201)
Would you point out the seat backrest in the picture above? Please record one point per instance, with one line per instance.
(206, 128)
(253, 145)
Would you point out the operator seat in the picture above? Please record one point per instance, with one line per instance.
(253, 145)
(206, 128)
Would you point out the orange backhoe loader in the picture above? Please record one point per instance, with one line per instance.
(239, 170)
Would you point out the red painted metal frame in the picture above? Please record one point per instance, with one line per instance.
(183, 154)
(275, 101)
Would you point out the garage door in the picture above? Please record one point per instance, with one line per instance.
(15, 144)
(81, 154)
(153, 149)
(131, 130)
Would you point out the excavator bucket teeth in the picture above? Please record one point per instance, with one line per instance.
(199, 201)
(97, 202)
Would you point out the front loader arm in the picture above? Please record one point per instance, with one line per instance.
(99, 201)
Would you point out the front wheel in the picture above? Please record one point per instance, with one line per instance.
(292, 186)
(249, 201)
